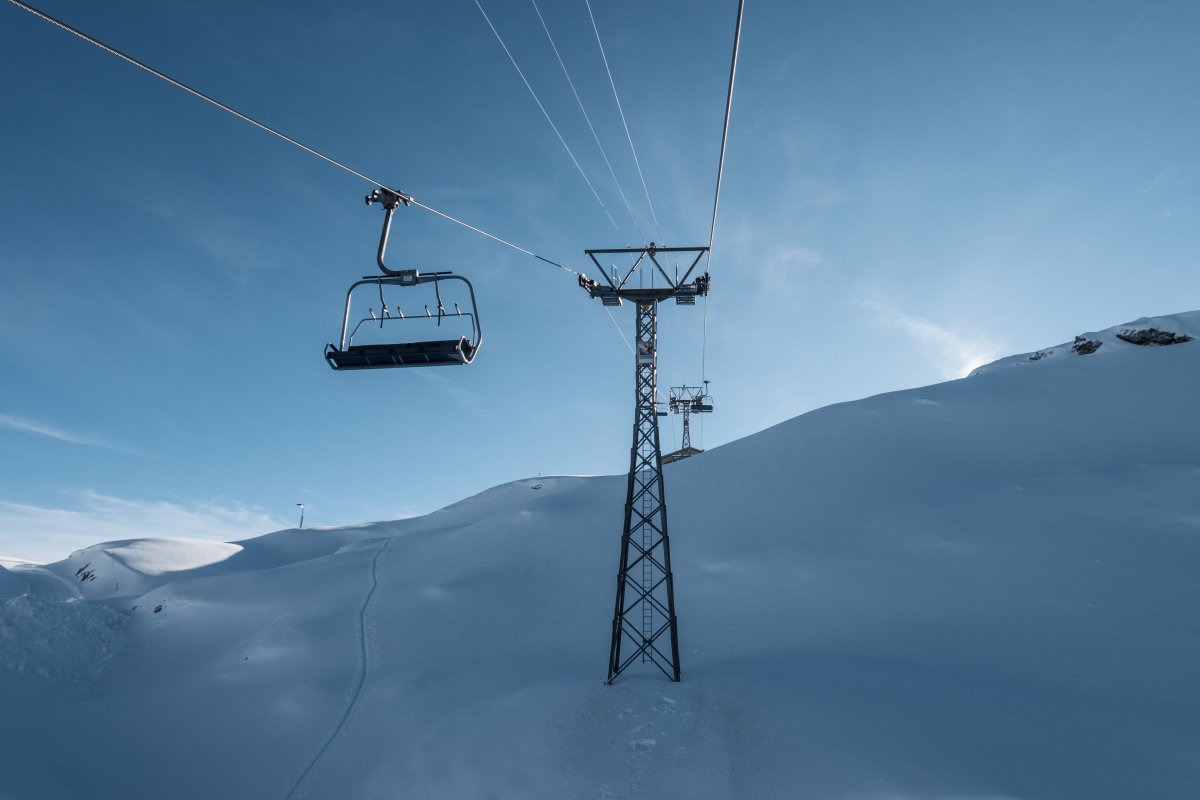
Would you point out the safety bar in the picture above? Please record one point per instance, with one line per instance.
(412, 278)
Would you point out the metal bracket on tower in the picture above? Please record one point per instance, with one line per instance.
(615, 287)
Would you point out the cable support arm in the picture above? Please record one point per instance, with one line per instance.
(679, 288)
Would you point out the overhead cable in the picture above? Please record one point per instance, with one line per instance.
(196, 93)
(493, 237)
(588, 119)
(628, 136)
(737, 38)
(553, 127)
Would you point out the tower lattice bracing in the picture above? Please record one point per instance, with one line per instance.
(687, 427)
(644, 626)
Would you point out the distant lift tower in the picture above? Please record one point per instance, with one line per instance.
(644, 613)
(688, 400)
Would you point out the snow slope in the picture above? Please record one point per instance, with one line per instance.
(986, 588)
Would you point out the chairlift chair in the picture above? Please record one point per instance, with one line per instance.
(405, 352)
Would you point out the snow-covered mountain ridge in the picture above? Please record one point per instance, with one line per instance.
(1144, 332)
(980, 589)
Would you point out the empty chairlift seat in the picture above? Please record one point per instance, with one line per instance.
(409, 354)
(459, 348)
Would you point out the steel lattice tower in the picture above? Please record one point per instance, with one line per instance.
(645, 605)
(688, 400)
(644, 619)
(687, 428)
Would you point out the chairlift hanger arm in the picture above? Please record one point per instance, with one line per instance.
(391, 200)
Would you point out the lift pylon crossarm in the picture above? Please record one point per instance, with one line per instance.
(693, 399)
(650, 251)
(617, 288)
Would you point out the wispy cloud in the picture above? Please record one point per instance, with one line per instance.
(43, 533)
(1156, 180)
(954, 353)
(465, 398)
(794, 257)
(784, 263)
(32, 426)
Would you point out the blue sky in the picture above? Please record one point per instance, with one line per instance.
(910, 190)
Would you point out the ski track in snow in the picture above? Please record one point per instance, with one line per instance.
(363, 669)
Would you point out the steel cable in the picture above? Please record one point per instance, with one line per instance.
(737, 38)
(553, 127)
(588, 119)
(628, 136)
(196, 93)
